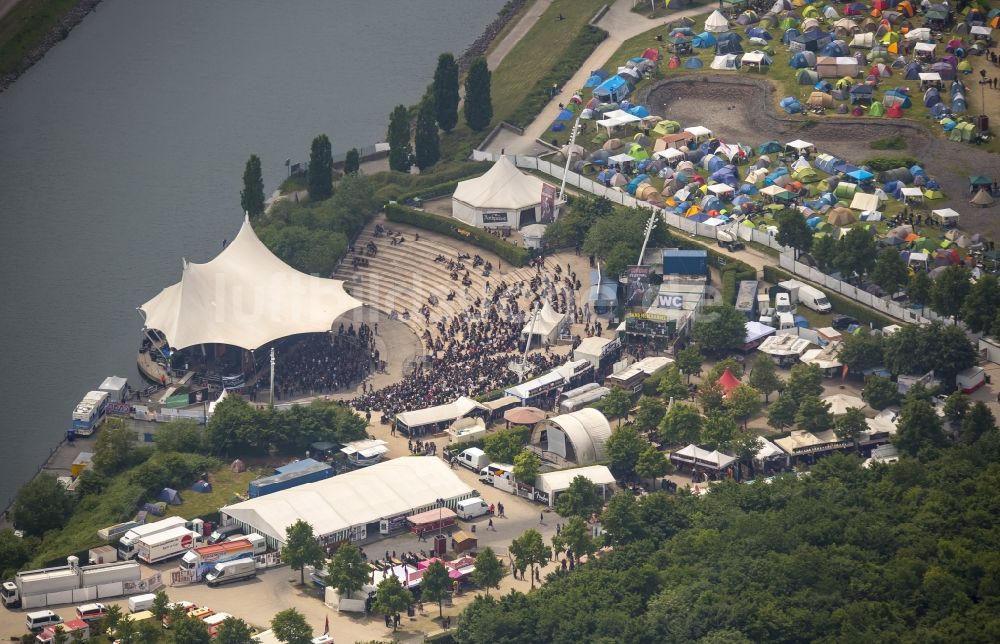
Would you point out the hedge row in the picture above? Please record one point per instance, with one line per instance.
(841, 304)
(514, 255)
(732, 275)
(538, 97)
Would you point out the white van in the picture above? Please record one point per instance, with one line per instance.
(39, 620)
(139, 603)
(471, 508)
(235, 570)
(473, 458)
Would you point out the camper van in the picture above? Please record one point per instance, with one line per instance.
(471, 508)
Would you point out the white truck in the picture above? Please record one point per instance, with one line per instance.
(166, 545)
(68, 584)
(201, 560)
(811, 297)
(473, 458)
(127, 545)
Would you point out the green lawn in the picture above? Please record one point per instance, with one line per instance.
(226, 485)
(538, 51)
(24, 27)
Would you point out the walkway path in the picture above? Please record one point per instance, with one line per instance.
(523, 26)
(621, 23)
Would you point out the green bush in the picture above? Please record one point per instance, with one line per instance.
(881, 164)
(514, 255)
(894, 142)
(539, 96)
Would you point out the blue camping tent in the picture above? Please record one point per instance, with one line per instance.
(169, 496)
(791, 105)
(757, 32)
(835, 48)
(958, 104)
(912, 71)
(639, 111)
(799, 61)
(704, 40)
(593, 81)
(790, 34)
(693, 63)
(613, 90)
(202, 486)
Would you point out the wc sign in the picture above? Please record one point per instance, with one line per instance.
(669, 301)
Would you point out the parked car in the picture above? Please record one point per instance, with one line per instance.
(843, 322)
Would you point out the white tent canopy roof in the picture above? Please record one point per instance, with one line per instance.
(716, 23)
(399, 486)
(864, 201)
(502, 187)
(543, 322)
(587, 429)
(439, 414)
(698, 131)
(800, 145)
(698, 456)
(558, 481)
(245, 297)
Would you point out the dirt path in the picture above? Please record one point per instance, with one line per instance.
(742, 109)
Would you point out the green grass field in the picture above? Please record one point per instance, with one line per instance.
(24, 27)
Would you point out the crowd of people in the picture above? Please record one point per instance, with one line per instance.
(321, 363)
(470, 353)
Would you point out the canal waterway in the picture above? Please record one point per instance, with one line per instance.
(123, 151)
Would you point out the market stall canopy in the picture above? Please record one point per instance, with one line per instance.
(245, 297)
(524, 415)
(840, 403)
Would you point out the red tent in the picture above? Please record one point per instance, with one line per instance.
(651, 54)
(894, 111)
(728, 382)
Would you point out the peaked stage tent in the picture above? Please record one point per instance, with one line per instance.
(544, 323)
(245, 297)
(503, 196)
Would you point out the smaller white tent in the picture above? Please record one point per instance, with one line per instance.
(503, 196)
(716, 23)
(725, 61)
(544, 324)
(864, 201)
(945, 215)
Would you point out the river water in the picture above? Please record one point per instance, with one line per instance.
(123, 151)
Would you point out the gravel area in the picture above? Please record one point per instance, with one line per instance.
(743, 109)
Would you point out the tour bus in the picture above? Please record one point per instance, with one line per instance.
(90, 412)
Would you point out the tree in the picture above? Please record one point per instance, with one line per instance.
(398, 137)
(194, 631)
(851, 425)
(880, 392)
(526, 466)
(180, 436)
(391, 597)
(624, 447)
(953, 351)
(252, 195)
(861, 350)
(478, 103)
(489, 570)
(41, 505)
(347, 571)
(320, 174)
(579, 499)
(763, 376)
(504, 446)
(681, 425)
(745, 446)
(949, 291)
(574, 539)
(711, 396)
(982, 304)
(529, 551)
(234, 630)
(718, 430)
(743, 402)
(919, 288)
(652, 464)
(689, 361)
(125, 631)
(856, 252)
(620, 519)
(782, 413)
(824, 249)
(112, 617)
(161, 605)
(114, 446)
(813, 415)
(671, 385)
(446, 92)
(290, 626)
(957, 406)
(301, 548)
(978, 421)
(650, 413)
(617, 403)
(804, 380)
(435, 585)
(890, 270)
(918, 427)
(427, 144)
(794, 232)
(352, 162)
(720, 329)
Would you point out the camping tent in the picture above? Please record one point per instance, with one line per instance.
(716, 23)
(614, 90)
(169, 496)
(503, 196)
(725, 62)
(836, 66)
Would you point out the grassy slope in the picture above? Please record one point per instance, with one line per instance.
(24, 27)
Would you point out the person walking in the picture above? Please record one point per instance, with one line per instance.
(491, 525)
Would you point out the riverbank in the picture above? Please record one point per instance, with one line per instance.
(30, 28)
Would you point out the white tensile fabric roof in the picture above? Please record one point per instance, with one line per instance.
(559, 480)
(697, 456)
(587, 429)
(503, 187)
(543, 322)
(245, 297)
(399, 486)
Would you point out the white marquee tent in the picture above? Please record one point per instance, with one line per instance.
(448, 413)
(245, 297)
(341, 507)
(552, 483)
(716, 23)
(544, 324)
(499, 197)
